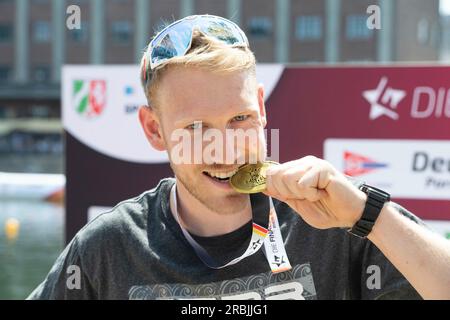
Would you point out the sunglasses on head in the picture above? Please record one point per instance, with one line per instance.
(175, 40)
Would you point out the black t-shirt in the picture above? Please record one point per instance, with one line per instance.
(137, 251)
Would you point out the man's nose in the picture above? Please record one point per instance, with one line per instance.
(224, 150)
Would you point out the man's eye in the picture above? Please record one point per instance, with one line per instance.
(241, 117)
(195, 125)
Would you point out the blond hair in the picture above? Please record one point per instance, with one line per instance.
(206, 53)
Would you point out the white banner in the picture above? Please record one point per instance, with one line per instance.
(410, 169)
(100, 104)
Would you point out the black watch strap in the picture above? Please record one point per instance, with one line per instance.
(376, 199)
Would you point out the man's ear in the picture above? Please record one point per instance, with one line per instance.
(262, 107)
(152, 128)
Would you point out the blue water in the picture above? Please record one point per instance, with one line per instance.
(25, 261)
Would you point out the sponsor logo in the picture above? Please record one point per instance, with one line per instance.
(128, 90)
(434, 166)
(409, 169)
(278, 260)
(89, 97)
(384, 100)
(356, 165)
(426, 102)
(256, 244)
(130, 107)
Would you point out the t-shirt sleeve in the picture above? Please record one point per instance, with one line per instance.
(66, 279)
(380, 279)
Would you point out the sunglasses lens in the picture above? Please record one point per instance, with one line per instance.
(173, 43)
(176, 39)
(221, 29)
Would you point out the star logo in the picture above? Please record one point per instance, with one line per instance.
(256, 243)
(383, 100)
(278, 261)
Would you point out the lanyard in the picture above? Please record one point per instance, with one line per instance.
(266, 231)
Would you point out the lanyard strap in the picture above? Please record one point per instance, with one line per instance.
(264, 222)
(274, 246)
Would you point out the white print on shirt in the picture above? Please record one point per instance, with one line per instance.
(296, 284)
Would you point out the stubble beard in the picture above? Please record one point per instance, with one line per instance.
(222, 205)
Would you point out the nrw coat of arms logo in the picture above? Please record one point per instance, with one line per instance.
(89, 97)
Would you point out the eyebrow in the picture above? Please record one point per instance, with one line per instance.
(190, 120)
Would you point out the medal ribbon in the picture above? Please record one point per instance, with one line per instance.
(265, 231)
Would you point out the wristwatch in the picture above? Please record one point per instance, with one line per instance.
(376, 199)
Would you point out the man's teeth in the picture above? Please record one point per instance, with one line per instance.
(222, 175)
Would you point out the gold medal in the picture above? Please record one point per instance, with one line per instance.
(251, 178)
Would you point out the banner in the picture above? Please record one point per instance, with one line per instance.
(408, 169)
(386, 125)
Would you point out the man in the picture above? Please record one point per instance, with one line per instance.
(195, 236)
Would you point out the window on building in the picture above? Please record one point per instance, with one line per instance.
(423, 31)
(308, 28)
(2, 109)
(41, 74)
(5, 74)
(41, 31)
(259, 27)
(121, 32)
(80, 35)
(356, 28)
(40, 111)
(9, 112)
(5, 32)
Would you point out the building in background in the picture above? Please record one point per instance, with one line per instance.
(35, 43)
(445, 44)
